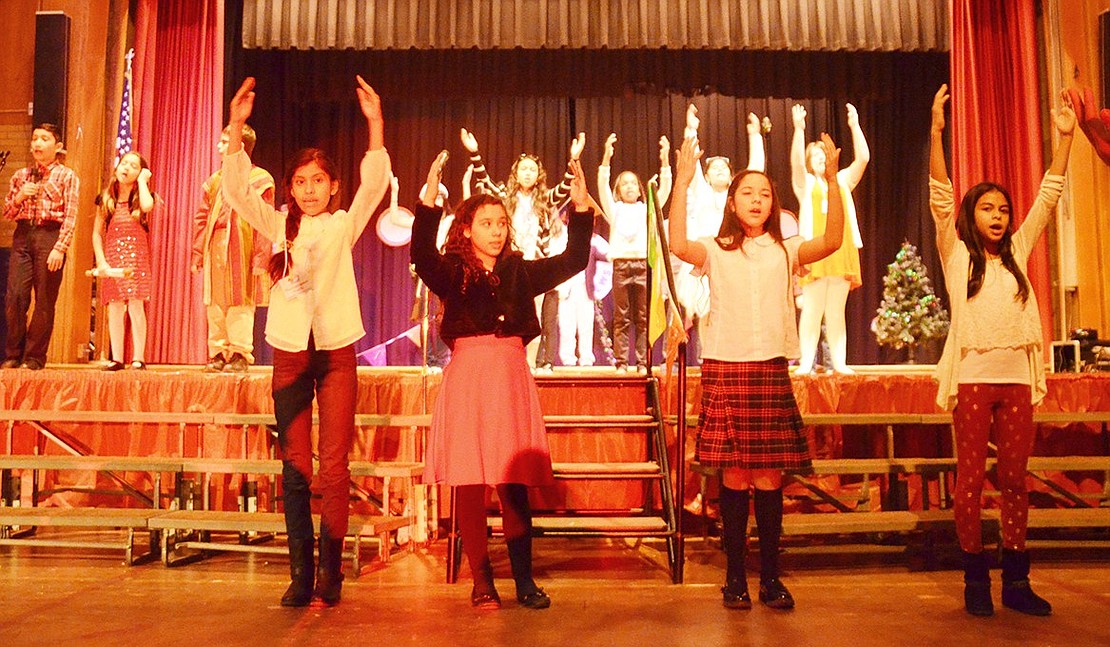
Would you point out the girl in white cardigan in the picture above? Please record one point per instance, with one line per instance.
(992, 369)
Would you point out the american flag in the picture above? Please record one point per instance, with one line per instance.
(123, 132)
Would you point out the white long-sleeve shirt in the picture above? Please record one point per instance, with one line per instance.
(328, 306)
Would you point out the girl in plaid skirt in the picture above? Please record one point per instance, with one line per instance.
(750, 426)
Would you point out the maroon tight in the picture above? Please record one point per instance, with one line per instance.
(1005, 412)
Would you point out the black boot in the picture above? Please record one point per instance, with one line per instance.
(329, 576)
(734, 541)
(301, 571)
(1016, 592)
(977, 584)
(768, 520)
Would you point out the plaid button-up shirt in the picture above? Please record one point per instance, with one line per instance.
(56, 200)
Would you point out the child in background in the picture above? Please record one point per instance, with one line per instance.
(750, 426)
(825, 284)
(627, 218)
(487, 428)
(991, 372)
(313, 324)
(534, 220)
(232, 257)
(705, 208)
(124, 210)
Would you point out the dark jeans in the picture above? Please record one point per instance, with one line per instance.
(629, 308)
(330, 374)
(31, 246)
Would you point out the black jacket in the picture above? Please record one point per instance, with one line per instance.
(500, 302)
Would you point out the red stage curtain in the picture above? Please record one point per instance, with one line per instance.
(179, 114)
(996, 114)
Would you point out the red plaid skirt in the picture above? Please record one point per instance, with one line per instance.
(749, 418)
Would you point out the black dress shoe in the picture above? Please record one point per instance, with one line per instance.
(10, 363)
(485, 600)
(113, 365)
(734, 597)
(33, 364)
(773, 593)
(215, 365)
(535, 600)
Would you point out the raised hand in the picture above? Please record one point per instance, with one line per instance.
(853, 116)
(688, 157)
(664, 151)
(1064, 119)
(832, 158)
(469, 141)
(435, 172)
(577, 145)
(610, 143)
(368, 100)
(939, 99)
(798, 115)
(692, 121)
(242, 104)
(579, 194)
(753, 124)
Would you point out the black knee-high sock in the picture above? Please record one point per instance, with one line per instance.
(768, 519)
(470, 508)
(517, 516)
(734, 531)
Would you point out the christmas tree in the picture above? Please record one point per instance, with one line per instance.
(910, 312)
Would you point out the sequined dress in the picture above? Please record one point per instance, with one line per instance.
(126, 244)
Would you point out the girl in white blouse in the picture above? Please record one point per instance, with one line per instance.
(992, 369)
(313, 323)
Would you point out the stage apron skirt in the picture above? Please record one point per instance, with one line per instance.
(487, 426)
(749, 417)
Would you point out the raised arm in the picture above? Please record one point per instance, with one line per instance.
(860, 150)
(666, 180)
(481, 175)
(237, 167)
(604, 179)
(1064, 119)
(1043, 209)
(757, 156)
(561, 192)
(429, 264)
(798, 151)
(692, 252)
(938, 169)
(375, 171)
(829, 241)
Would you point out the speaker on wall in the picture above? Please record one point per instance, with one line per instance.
(51, 68)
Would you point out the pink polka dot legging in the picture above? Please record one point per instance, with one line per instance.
(1005, 412)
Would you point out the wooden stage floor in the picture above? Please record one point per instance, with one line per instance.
(603, 593)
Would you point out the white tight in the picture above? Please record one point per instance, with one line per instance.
(136, 310)
(824, 298)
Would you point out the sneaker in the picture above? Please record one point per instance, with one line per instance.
(33, 364)
(10, 363)
(237, 364)
(215, 364)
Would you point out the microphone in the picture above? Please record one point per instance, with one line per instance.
(34, 173)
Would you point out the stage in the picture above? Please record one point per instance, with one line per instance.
(408, 391)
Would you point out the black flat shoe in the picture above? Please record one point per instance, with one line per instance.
(733, 599)
(485, 600)
(535, 600)
(113, 365)
(773, 593)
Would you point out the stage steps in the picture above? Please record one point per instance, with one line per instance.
(620, 403)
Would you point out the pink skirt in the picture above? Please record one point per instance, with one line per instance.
(487, 426)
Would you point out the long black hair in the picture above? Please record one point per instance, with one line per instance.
(303, 157)
(731, 234)
(969, 233)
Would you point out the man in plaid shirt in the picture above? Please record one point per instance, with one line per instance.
(43, 202)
